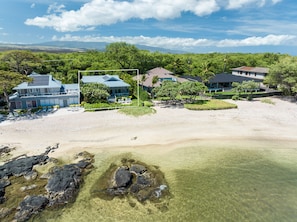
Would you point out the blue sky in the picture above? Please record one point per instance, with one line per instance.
(188, 25)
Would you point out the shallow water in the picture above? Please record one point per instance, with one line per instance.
(255, 182)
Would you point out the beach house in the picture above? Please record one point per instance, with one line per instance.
(160, 74)
(117, 87)
(251, 72)
(221, 81)
(43, 90)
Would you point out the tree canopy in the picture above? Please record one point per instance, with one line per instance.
(20, 61)
(94, 92)
(192, 89)
(65, 66)
(167, 89)
(246, 86)
(8, 80)
(284, 75)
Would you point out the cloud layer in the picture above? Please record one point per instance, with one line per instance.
(107, 12)
(184, 43)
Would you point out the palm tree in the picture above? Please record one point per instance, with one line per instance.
(154, 81)
(142, 79)
(206, 73)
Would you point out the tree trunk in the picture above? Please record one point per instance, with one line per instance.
(6, 96)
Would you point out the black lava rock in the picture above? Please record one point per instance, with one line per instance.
(29, 206)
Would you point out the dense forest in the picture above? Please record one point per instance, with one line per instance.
(65, 66)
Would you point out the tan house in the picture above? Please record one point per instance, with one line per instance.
(146, 80)
(251, 72)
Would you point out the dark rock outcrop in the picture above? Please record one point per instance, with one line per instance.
(122, 177)
(29, 206)
(64, 182)
(3, 183)
(22, 166)
(139, 180)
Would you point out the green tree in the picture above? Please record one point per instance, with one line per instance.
(125, 55)
(168, 89)
(206, 72)
(143, 79)
(284, 76)
(155, 79)
(127, 78)
(8, 80)
(20, 61)
(247, 87)
(94, 92)
(192, 89)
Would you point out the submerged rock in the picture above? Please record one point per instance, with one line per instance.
(122, 177)
(141, 181)
(63, 184)
(29, 206)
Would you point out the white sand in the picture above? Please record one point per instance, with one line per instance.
(97, 131)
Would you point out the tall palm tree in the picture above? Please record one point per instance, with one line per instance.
(206, 73)
(142, 79)
(154, 81)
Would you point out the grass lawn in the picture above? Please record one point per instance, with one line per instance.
(212, 104)
(137, 111)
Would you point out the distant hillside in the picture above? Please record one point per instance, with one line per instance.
(72, 46)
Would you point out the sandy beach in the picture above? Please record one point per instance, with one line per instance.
(96, 131)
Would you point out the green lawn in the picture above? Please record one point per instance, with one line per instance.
(212, 104)
(137, 111)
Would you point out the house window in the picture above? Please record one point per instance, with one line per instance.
(31, 104)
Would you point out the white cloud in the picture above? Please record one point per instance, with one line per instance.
(235, 4)
(206, 7)
(106, 12)
(258, 41)
(276, 1)
(55, 8)
(183, 43)
(32, 5)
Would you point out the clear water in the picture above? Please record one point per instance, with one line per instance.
(245, 181)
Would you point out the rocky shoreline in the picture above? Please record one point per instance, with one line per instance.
(62, 184)
(26, 189)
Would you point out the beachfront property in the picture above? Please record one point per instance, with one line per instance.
(117, 87)
(43, 90)
(146, 80)
(251, 72)
(221, 81)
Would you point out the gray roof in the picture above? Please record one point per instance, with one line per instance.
(70, 86)
(39, 81)
(223, 78)
(109, 80)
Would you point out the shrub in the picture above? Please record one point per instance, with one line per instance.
(148, 104)
(236, 97)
